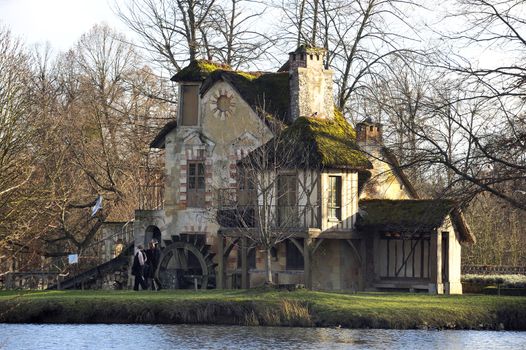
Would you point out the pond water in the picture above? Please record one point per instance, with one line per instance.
(102, 336)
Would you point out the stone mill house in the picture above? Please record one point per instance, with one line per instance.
(357, 222)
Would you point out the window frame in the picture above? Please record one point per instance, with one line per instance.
(246, 189)
(182, 105)
(195, 195)
(334, 198)
(287, 199)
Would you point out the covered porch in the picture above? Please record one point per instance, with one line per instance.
(329, 260)
(413, 245)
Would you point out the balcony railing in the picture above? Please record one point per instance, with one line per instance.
(277, 217)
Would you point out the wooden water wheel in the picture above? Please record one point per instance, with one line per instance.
(185, 262)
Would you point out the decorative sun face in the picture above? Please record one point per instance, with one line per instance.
(222, 104)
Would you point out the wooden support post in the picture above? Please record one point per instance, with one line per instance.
(374, 257)
(435, 264)
(220, 283)
(307, 263)
(363, 267)
(244, 263)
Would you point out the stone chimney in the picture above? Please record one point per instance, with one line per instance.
(369, 133)
(310, 84)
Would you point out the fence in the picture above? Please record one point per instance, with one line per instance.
(27, 280)
(493, 270)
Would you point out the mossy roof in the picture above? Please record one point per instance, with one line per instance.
(412, 215)
(198, 70)
(323, 143)
(267, 92)
(403, 215)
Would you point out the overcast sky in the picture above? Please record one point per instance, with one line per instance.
(61, 22)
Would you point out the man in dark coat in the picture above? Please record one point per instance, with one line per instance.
(139, 262)
(153, 255)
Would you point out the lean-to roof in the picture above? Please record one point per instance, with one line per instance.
(422, 215)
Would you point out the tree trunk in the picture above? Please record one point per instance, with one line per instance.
(268, 266)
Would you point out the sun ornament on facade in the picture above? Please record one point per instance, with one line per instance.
(222, 104)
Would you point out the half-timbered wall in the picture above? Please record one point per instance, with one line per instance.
(308, 200)
(404, 257)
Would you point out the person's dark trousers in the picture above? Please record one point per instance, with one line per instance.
(139, 280)
(156, 284)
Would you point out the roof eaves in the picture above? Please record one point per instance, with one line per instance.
(464, 231)
(158, 141)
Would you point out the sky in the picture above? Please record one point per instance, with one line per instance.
(59, 22)
(62, 22)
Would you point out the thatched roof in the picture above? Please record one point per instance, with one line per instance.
(421, 215)
(266, 92)
(198, 70)
(324, 143)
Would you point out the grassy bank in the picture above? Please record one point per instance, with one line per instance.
(271, 308)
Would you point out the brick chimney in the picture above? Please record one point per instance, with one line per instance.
(310, 84)
(369, 133)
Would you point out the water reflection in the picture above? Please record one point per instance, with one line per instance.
(233, 337)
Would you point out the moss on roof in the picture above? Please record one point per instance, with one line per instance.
(268, 92)
(324, 143)
(198, 70)
(403, 215)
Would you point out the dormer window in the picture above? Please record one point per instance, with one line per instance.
(189, 105)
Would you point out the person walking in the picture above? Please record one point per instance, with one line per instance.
(153, 255)
(139, 262)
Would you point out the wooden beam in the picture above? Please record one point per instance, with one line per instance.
(296, 243)
(307, 268)
(240, 233)
(244, 263)
(356, 251)
(319, 241)
(435, 264)
(336, 234)
(221, 263)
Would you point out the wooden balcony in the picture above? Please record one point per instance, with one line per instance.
(279, 218)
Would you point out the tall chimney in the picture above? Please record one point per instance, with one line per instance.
(310, 84)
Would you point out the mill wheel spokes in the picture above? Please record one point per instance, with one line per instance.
(185, 262)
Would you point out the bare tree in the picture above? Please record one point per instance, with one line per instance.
(82, 133)
(175, 32)
(170, 30)
(472, 125)
(272, 181)
(17, 130)
(231, 36)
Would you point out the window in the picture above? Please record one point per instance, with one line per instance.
(287, 200)
(189, 105)
(335, 197)
(246, 194)
(196, 184)
(251, 258)
(294, 256)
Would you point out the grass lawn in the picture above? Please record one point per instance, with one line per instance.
(263, 307)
